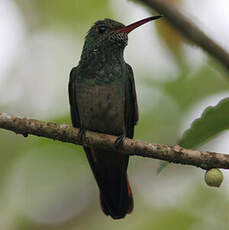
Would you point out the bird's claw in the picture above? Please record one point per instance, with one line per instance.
(81, 134)
(119, 141)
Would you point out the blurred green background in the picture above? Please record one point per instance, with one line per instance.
(46, 184)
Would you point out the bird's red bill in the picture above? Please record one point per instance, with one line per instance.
(134, 25)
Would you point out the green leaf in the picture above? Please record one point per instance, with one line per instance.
(162, 165)
(213, 121)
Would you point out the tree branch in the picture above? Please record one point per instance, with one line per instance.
(65, 133)
(189, 30)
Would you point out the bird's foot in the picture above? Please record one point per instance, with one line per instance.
(119, 141)
(81, 134)
(25, 134)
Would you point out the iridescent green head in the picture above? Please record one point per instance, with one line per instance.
(109, 33)
(104, 34)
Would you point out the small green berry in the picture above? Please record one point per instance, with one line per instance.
(213, 177)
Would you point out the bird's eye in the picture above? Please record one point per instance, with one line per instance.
(102, 29)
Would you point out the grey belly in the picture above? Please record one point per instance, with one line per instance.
(101, 107)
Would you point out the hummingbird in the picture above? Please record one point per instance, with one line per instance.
(103, 99)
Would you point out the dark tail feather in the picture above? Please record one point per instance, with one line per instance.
(130, 196)
(124, 204)
(109, 169)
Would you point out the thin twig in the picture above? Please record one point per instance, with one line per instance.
(189, 29)
(65, 133)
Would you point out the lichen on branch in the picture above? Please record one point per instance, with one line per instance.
(65, 133)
